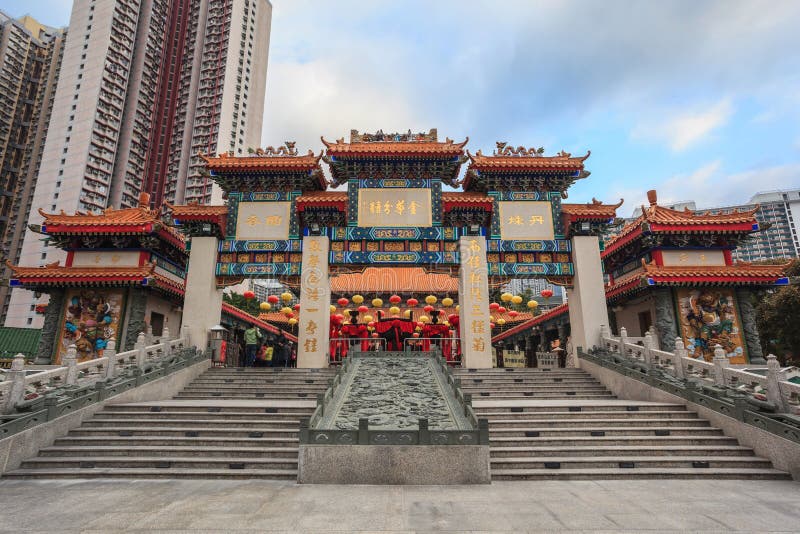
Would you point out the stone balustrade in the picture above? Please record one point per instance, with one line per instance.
(20, 388)
(772, 387)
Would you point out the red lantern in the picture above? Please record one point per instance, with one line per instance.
(493, 306)
(340, 317)
(273, 299)
(395, 299)
(296, 307)
(547, 293)
(415, 334)
(428, 308)
(513, 313)
(371, 324)
(492, 325)
(290, 315)
(420, 324)
(363, 309)
(375, 334)
(501, 309)
(412, 302)
(342, 302)
(249, 295)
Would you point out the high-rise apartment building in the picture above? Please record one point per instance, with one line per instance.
(30, 58)
(146, 86)
(778, 215)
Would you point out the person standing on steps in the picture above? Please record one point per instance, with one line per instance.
(251, 340)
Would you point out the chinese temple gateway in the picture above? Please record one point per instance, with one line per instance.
(395, 222)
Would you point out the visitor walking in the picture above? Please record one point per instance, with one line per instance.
(251, 338)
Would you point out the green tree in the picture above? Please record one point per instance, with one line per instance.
(237, 300)
(778, 319)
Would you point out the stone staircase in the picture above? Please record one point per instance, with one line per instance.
(562, 424)
(228, 423)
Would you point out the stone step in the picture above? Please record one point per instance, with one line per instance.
(638, 473)
(523, 381)
(610, 441)
(191, 423)
(552, 388)
(596, 422)
(537, 395)
(595, 406)
(273, 384)
(266, 417)
(146, 473)
(503, 417)
(210, 395)
(664, 450)
(273, 390)
(269, 371)
(177, 441)
(160, 462)
(520, 370)
(168, 450)
(600, 431)
(125, 431)
(211, 407)
(629, 462)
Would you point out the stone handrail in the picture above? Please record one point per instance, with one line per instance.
(20, 388)
(773, 388)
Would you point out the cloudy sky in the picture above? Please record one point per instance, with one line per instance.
(698, 99)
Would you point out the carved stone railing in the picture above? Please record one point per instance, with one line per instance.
(29, 399)
(769, 401)
(477, 434)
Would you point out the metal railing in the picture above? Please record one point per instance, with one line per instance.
(374, 344)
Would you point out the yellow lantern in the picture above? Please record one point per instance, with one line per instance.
(286, 310)
(367, 318)
(430, 299)
(532, 304)
(506, 297)
(265, 306)
(516, 299)
(418, 329)
(333, 308)
(407, 314)
(501, 321)
(447, 302)
(394, 310)
(377, 303)
(358, 299)
(287, 297)
(292, 321)
(458, 308)
(425, 319)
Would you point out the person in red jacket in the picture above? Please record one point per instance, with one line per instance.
(355, 330)
(338, 349)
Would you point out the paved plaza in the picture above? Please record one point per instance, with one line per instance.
(260, 506)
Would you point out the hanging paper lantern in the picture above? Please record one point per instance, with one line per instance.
(363, 309)
(286, 297)
(547, 293)
(418, 329)
(265, 306)
(407, 314)
(424, 319)
(428, 308)
(501, 321)
(447, 302)
(513, 313)
(412, 302)
(532, 304)
(368, 318)
(506, 297)
(415, 334)
(501, 309)
(292, 321)
(290, 314)
(371, 323)
(339, 317)
(377, 303)
(249, 295)
(430, 299)
(458, 308)
(375, 334)
(296, 307)
(333, 308)
(516, 299)
(358, 299)
(286, 310)
(273, 299)
(493, 306)
(342, 302)
(492, 326)
(395, 299)
(394, 310)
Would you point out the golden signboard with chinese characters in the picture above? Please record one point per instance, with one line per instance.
(106, 258)
(672, 258)
(394, 207)
(263, 220)
(526, 220)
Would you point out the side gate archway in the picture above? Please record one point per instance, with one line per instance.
(396, 200)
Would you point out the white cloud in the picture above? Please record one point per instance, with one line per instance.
(686, 129)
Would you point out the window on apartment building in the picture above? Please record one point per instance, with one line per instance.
(65, 150)
(63, 161)
(72, 118)
(80, 66)
(30, 321)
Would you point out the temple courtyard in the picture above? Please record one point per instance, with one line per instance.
(106, 505)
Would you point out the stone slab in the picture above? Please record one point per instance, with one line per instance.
(228, 403)
(394, 464)
(478, 403)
